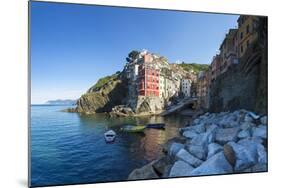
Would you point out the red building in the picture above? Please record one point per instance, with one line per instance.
(148, 74)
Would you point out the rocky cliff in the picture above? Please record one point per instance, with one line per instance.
(104, 95)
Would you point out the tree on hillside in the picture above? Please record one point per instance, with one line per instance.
(132, 55)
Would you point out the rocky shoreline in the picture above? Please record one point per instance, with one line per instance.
(214, 143)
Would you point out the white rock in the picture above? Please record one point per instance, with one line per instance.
(199, 128)
(213, 148)
(247, 125)
(260, 131)
(217, 164)
(189, 134)
(174, 149)
(226, 135)
(180, 168)
(262, 154)
(253, 115)
(244, 134)
(248, 118)
(203, 139)
(263, 120)
(188, 158)
(246, 155)
(198, 151)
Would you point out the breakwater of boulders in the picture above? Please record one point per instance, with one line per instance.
(214, 143)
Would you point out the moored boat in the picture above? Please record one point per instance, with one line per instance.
(109, 136)
(156, 126)
(132, 128)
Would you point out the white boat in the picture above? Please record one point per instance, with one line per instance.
(109, 136)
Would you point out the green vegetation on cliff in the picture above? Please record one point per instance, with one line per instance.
(194, 66)
(108, 92)
(103, 81)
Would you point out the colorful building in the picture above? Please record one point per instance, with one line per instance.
(246, 33)
(228, 50)
(215, 67)
(185, 87)
(148, 77)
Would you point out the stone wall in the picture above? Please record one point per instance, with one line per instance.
(244, 85)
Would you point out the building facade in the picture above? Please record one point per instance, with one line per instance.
(228, 50)
(148, 77)
(215, 67)
(186, 87)
(246, 33)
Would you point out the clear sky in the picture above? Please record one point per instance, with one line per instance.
(72, 46)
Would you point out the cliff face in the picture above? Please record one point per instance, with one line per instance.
(102, 97)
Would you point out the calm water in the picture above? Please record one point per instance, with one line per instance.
(69, 148)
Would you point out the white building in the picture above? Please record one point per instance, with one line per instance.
(185, 87)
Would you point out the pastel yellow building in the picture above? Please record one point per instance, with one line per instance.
(246, 33)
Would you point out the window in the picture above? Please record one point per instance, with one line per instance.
(241, 49)
(241, 35)
(248, 29)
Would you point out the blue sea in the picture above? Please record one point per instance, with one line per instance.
(69, 148)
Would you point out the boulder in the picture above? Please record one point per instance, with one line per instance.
(188, 158)
(211, 128)
(159, 165)
(226, 135)
(203, 139)
(229, 154)
(213, 148)
(217, 164)
(253, 115)
(244, 134)
(246, 155)
(248, 118)
(197, 151)
(260, 131)
(175, 148)
(247, 125)
(260, 167)
(228, 121)
(189, 134)
(180, 168)
(263, 120)
(146, 172)
(262, 154)
(199, 128)
(167, 145)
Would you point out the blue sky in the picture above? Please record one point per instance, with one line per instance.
(72, 46)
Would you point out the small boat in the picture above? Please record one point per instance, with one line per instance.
(132, 128)
(109, 136)
(155, 126)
